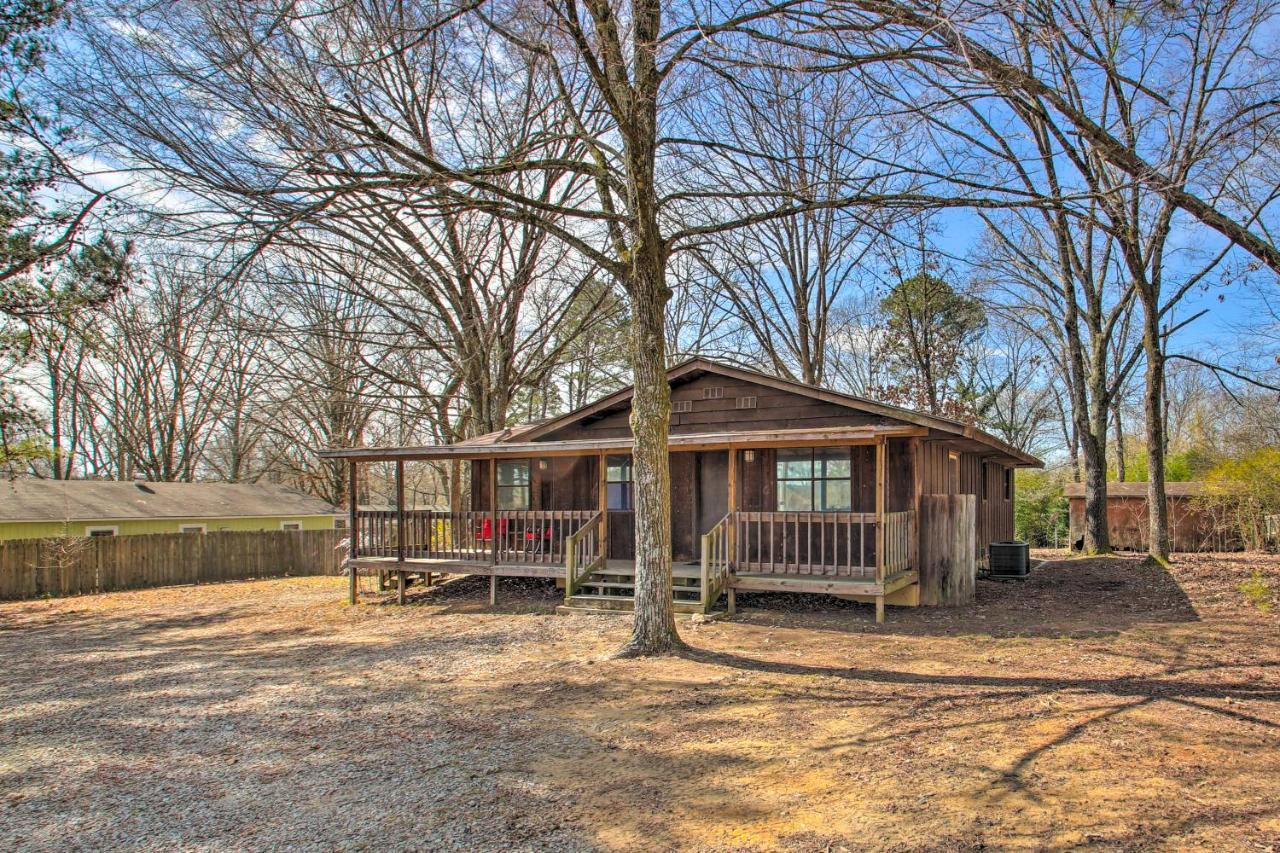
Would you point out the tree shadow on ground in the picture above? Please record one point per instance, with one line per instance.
(1069, 598)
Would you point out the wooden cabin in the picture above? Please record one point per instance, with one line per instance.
(775, 486)
(1191, 526)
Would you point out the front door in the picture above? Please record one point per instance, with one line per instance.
(711, 493)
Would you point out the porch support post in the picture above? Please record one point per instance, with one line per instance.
(732, 504)
(493, 512)
(400, 518)
(353, 533)
(400, 586)
(493, 589)
(732, 595)
(880, 462)
(602, 504)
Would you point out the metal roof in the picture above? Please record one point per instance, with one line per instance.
(93, 500)
(1138, 489)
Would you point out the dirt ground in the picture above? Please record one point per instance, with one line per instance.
(1102, 703)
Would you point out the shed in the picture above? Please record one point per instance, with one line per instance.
(1191, 528)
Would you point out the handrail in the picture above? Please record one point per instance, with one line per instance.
(899, 543)
(584, 553)
(715, 561)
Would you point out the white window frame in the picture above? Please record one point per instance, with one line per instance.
(102, 530)
(193, 528)
(291, 525)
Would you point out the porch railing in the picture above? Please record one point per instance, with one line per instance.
(839, 544)
(716, 548)
(534, 537)
(584, 554)
(900, 543)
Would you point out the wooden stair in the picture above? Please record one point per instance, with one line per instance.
(612, 589)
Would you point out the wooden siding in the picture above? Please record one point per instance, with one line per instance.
(939, 475)
(775, 409)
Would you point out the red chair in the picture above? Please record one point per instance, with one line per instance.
(486, 529)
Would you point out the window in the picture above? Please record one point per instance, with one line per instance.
(1008, 484)
(339, 523)
(679, 406)
(102, 531)
(191, 528)
(746, 402)
(291, 525)
(953, 472)
(713, 392)
(513, 485)
(815, 479)
(618, 484)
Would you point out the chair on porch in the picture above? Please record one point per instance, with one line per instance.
(486, 530)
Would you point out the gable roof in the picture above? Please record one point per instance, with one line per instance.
(1138, 489)
(93, 500)
(698, 365)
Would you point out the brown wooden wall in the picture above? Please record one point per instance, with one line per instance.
(965, 476)
(775, 409)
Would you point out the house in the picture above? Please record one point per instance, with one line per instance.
(1191, 526)
(40, 509)
(775, 486)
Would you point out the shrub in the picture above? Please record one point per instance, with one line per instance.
(1040, 512)
(1242, 493)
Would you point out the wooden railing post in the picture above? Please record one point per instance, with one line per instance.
(400, 518)
(705, 569)
(731, 543)
(880, 510)
(493, 511)
(353, 535)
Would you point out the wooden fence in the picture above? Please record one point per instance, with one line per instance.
(33, 568)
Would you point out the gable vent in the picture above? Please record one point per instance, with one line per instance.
(713, 392)
(746, 402)
(678, 406)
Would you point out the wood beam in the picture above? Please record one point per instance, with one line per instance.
(880, 463)
(732, 506)
(400, 518)
(493, 513)
(602, 501)
(353, 533)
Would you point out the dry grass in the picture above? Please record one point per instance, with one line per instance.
(1102, 703)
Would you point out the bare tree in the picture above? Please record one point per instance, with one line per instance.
(574, 119)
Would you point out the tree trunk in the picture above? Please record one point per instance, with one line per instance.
(1115, 414)
(654, 629)
(1157, 506)
(1092, 429)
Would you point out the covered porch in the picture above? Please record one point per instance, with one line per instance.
(750, 511)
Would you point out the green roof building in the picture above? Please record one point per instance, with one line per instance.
(40, 509)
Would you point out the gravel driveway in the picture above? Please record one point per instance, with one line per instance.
(1101, 703)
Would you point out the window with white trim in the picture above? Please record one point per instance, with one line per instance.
(815, 479)
(514, 484)
(192, 528)
(111, 530)
(618, 483)
(291, 525)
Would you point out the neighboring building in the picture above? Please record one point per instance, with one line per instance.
(775, 485)
(38, 509)
(1191, 528)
